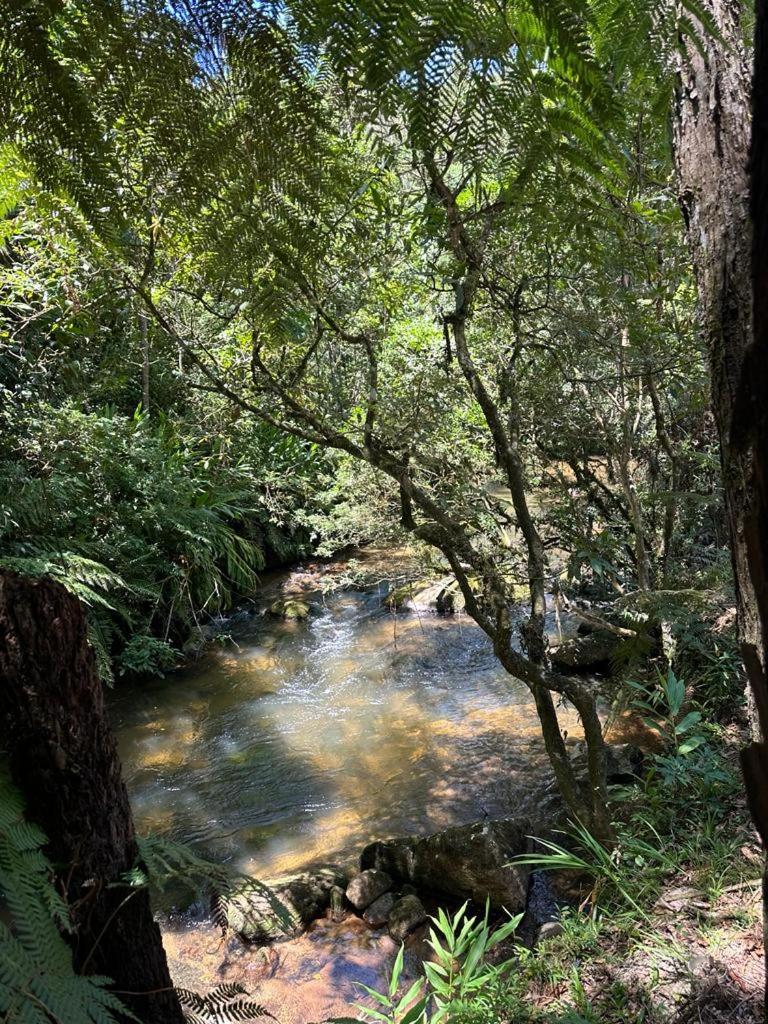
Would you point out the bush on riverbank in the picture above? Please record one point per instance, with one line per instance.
(154, 526)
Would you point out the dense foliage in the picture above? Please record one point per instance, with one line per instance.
(158, 521)
(294, 276)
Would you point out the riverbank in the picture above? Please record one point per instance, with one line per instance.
(669, 937)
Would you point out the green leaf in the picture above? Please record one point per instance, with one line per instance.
(685, 724)
(691, 744)
(397, 970)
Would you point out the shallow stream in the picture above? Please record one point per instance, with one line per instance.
(299, 742)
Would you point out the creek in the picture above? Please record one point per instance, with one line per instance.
(297, 742)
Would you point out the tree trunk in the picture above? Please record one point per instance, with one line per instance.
(63, 758)
(711, 136)
(711, 139)
(752, 435)
(145, 374)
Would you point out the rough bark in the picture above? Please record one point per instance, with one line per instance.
(711, 139)
(590, 807)
(751, 435)
(63, 758)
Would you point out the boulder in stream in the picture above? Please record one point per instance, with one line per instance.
(282, 909)
(443, 596)
(591, 653)
(367, 887)
(405, 917)
(289, 608)
(378, 913)
(468, 862)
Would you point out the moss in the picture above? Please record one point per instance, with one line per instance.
(290, 608)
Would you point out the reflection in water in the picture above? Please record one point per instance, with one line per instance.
(302, 741)
(311, 978)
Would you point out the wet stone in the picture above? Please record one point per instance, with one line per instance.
(406, 916)
(290, 608)
(285, 908)
(473, 862)
(338, 910)
(378, 913)
(367, 887)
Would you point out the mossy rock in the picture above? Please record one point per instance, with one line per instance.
(469, 862)
(400, 596)
(289, 608)
(272, 911)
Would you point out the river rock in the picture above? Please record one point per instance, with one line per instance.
(443, 596)
(468, 862)
(624, 765)
(283, 908)
(591, 653)
(378, 913)
(289, 608)
(367, 887)
(406, 916)
(406, 595)
(338, 904)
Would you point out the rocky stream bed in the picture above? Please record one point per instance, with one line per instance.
(319, 727)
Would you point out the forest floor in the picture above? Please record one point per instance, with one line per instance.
(696, 959)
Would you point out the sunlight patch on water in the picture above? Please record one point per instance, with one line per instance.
(300, 742)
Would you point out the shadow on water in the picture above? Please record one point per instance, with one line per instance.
(299, 742)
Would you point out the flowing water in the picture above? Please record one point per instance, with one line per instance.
(298, 742)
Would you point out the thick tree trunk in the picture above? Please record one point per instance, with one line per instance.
(63, 758)
(711, 143)
(752, 434)
(711, 140)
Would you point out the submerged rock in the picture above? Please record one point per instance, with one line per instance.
(367, 887)
(406, 916)
(378, 913)
(284, 908)
(468, 862)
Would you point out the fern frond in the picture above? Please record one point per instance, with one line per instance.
(37, 982)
